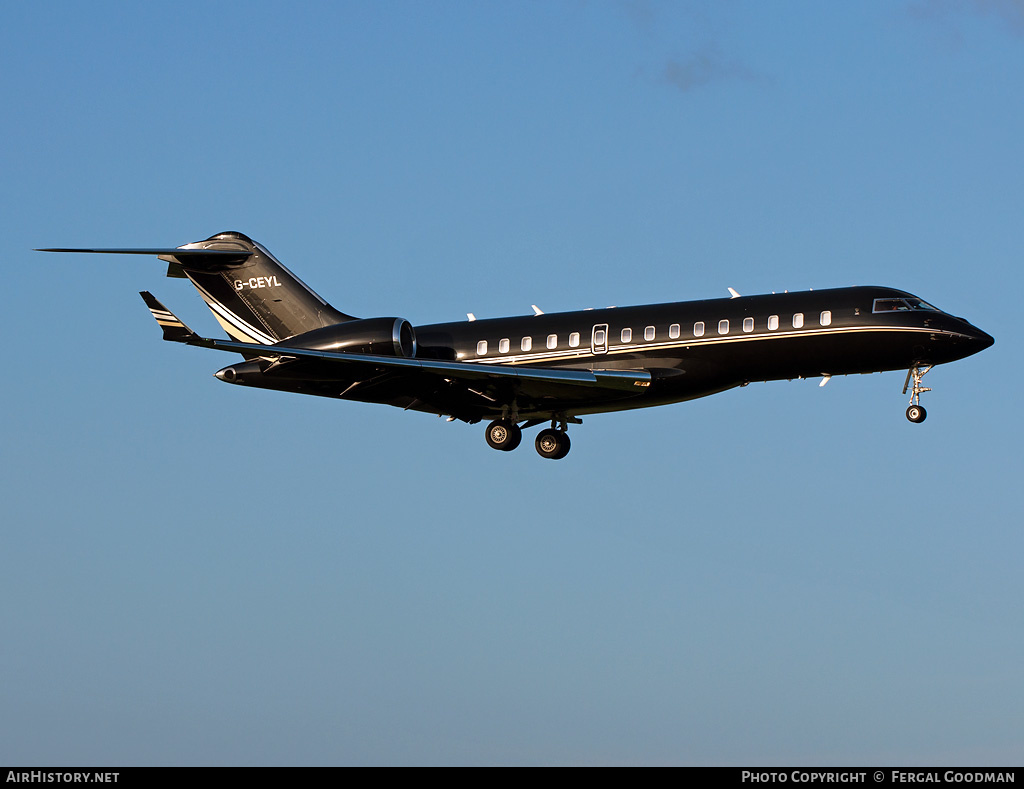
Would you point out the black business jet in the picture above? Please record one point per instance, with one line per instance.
(521, 372)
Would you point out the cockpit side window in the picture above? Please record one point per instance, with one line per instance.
(890, 305)
(902, 305)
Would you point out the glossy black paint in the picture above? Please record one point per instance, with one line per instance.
(253, 296)
(549, 366)
(856, 340)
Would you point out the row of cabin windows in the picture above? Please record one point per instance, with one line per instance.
(527, 343)
(626, 335)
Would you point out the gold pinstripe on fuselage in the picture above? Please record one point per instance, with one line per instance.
(687, 343)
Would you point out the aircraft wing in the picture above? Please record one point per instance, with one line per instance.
(533, 383)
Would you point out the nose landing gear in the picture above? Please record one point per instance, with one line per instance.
(915, 411)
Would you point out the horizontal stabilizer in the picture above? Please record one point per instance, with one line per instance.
(187, 256)
(174, 329)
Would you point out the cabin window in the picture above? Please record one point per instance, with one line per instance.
(599, 338)
(773, 322)
(503, 345)
(552, 340)
(627, 335)
(673, 331)
(698, 329)
(574, 339)
(826, 318)
(527, 343)
(798, 320)
(481, 348)
(723, 327)
(748, 324)
(649, 333)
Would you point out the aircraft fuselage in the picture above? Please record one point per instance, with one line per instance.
(522, 371)
(694, 348)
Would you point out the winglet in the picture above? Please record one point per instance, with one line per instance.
(174, 329)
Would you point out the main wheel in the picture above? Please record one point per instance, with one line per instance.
(916, 413)
(553, 444)
(503, 435)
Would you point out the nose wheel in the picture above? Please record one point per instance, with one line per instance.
(915, 411)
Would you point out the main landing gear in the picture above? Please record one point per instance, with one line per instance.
(915, 411)
(552, 442)
(503, 435)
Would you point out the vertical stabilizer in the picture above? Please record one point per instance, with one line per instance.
(253, 296)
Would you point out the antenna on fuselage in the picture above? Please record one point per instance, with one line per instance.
(470, 316)
(732, 293)
(537, 310)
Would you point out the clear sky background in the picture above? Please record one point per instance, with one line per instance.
(195, 573)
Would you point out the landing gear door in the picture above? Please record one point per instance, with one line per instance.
(599, 338)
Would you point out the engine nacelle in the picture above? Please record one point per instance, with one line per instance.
(380, 336)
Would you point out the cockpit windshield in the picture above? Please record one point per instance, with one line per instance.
(903, 305)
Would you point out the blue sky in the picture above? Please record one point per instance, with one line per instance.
(193, 573)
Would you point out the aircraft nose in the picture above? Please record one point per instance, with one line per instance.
(977, 339)
(982, 339)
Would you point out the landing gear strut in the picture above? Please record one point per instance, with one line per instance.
(553, 443)
(916, 412)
